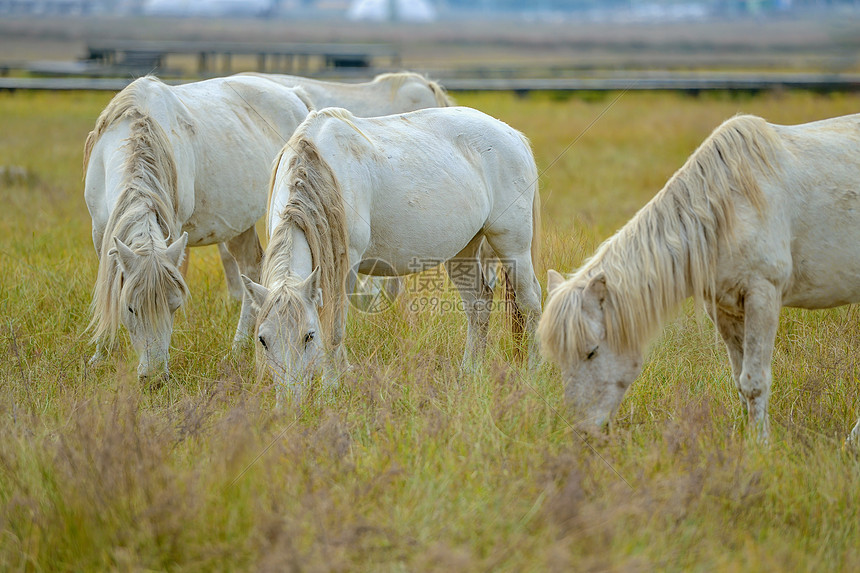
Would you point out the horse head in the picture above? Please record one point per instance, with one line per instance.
(573, 331)
(152, 289)
(289, 338)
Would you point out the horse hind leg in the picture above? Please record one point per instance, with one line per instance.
(489, 264)
(524, 306)
(464, 270)
(248, 255)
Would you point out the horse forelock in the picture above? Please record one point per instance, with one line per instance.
(316, 207)
(156, 276)
(669, 249)
(146, 287)
(563, 332)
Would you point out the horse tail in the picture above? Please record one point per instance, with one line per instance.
(515, 318)
(536, 229)
(304, 97)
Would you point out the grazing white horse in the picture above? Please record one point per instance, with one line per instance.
(422, 186)
(168, 167)
(761, 216)
(385, 94)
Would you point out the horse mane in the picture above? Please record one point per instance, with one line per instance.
(304, 97)
(669, 249)
(397, 79)
(316, 207)
(149, 187)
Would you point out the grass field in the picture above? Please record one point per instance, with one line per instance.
(410, 466)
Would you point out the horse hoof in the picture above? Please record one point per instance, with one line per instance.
(154, 381)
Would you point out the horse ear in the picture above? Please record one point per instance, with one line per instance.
(256, 292)
(176, 250)
(553, 280)
(124, 254)
(597, 287)
(311, 287)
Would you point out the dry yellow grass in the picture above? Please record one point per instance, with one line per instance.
(410, 466)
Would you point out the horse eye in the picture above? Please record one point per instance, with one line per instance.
(263, 342)
(591, 354)
(309, 336)
(131, 310)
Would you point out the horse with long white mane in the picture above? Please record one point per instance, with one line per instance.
(386, 94)
(422, 186)
(168, 167)
(761, 216)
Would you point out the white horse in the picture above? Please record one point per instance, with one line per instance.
(422, 186)
(168, 167)
(761, 216)
(385, 94)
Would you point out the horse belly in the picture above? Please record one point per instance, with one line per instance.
(411, 239)
(825, 276)
(230, 199)
(825, 255)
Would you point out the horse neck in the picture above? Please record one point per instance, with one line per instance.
(302, 261)
(144, 230)
(292, 259)
(652, 268)
(144, 211)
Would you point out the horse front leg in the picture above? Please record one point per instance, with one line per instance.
(231, 272)
(731, 329)
(853, 441)
(761, 319)
(98, 355)
(246, 250)
(338, 361)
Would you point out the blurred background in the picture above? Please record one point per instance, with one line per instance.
(466, 44)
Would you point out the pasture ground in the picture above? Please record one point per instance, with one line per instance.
(409, 466)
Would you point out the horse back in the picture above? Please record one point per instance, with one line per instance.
(807, 240)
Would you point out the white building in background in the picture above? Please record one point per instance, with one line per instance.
(207, 7)
(392, 10)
